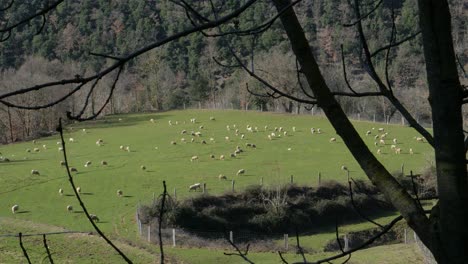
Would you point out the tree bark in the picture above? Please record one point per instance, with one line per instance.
(376, 172)
(445, 97)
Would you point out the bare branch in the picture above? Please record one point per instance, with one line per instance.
(105, 56)
(344, 71)
(365, 16)
(395, 44)
(239, 252)
(8, 6)
(415, 190)
(298, 76)
(363, 216)
(161, 214)
(77, 195)
(42, 25)
(282, 258)
(387, 57)
(38, 14)
(301, 251)
(25, 253)
(44, 240)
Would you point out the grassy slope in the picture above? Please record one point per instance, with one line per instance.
(309, 155)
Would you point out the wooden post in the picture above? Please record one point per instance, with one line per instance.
(231, 237)
(204, 187)
(319, 178)
(292, 179)
(406, 239)
(149, 233)
(175, 194)
(403, 169)
(347, 174)
(173, 237)
(313, 110)
(233, 182)
(286, 246)
(140, 227)
(346, 243)
(359, 116)
(261, 181)
(402, 121)
(374, 118)
(154, 198)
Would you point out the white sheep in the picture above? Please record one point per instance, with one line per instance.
(69, 208)
(62, 163)
(242, 136)
(411, 151)
(60, 191)
(183, 140)
(28, 150)
(397, 150)
(368, 132)
(266, 128)
(94, 218)
(142, 167)
(60, 149)
(344, 168)
(203, 142)
(173, 143)
(379, 151)
(212, 118)
(73, 169)
(222, 177)
(212, 156)
(59, 143)
(78, 189)
(241, 171)
(212, 139)
(395, 141)
(226, 138)
(14, 208)
(119, 193)
(221, 157)
(193, 158)
(152, 120)
(269, 137)
(195, 186)
(44, 146)
(332, 139)
(312, 130)
(36, 149)
(381, 129)
(183, 132)
(201, 127)
(228, 127)
(382, 142)
(233, 155)
(87, 164)
(70, 139)
(319, 131)
(419, 139)
(34, 141)
(35, 172)
(84, 130)
(294, 129)
(198, 134)
(122, 147)
(103, 163)
(127, 148)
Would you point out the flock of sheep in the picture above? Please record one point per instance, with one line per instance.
(233, 130)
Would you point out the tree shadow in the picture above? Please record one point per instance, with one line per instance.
(23, 212)
(127, 196)
(78, 212)
(87, 193)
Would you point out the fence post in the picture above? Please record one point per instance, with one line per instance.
(286, 246)
(175, 194)
(173, 237)
(406, 239)
(261, 181)
(233, 182)
(292, 179)
(374, 118)
(149, 233)
(204, 187)
(346, 243)
(403, 169)
(319, 178)
(359, 116)
(231, 237)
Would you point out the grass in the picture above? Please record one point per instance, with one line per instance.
(310, 154)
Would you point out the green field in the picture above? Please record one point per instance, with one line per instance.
(299, 153)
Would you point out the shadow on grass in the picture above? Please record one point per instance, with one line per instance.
(127, 120)
(87, 193)
(23, 212)
(127, 196)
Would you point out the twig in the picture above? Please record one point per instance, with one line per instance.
(8, 6)
(415, 190)
(301, 251)
(282, 258)
(239, 252)
(359, 211)
(44, 240)
(365, 16)
(77, 195)
(25, 253)
(161, 213)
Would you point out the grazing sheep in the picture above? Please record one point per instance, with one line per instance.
(269, 137)
(78, 189)
(34, 141)
(226, 138)
(222, 177)
(201, 127)
(195, 186)
(248, 144)
(84, 130)
(173, 143)
(376, 137)
(273, 134)
(94, 218)
(119, 193)
(238, 151)
(397, 150)
(36, 149)
(294, 129)
(69, 208)
(70, 139)
(203, 142)
(212, 118)
(233, 155)
(241, 171)
(62, 163)
(312, 130)
(103, 162)
(266, 128)
(379, 151)
(392, 147)
(319, 131)
(376, 144)
(411, 151)
(44, 146)
(254, 146)
(183, 132)
(127, 148)
(142, 167)
(122, 147)
(60, 149)
(170, 122)
(381, 129)
(395, 141)
(192, 140)
(242, 136)
(58, 142)
(212, 139)
(100, 142)
(193, 120)
(212, 156)
(87, 164)
(419, 139)
(344, 168)
(14, 208)
(35, 172)
(289, 149)
(368, 132)
(73, 169)
(193, 158)
(183, 140)
(228, 128)
(198, 134)
(152, 120)
(221, 157)
(60, 191)
(285, 133)
(332, 139)
(382, 142)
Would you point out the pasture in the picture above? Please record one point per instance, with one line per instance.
(299, 153)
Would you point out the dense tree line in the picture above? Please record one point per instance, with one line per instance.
(183, 73)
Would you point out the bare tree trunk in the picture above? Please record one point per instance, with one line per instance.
(445, 96)
(376, 172)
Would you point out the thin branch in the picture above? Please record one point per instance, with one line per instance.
(105, 56)
(161, 214)
(77, 195)
(8, 6)
(282, 258)
(387, 56)
(44, 240)
(344, 71)
(38, 14)
(365, 16)
(415, 191)
(298, 76)
(189, 9)
(25, 253)
(301, 251)
(395, 44)
(42, 25)
(363, 216)
(239, 252)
